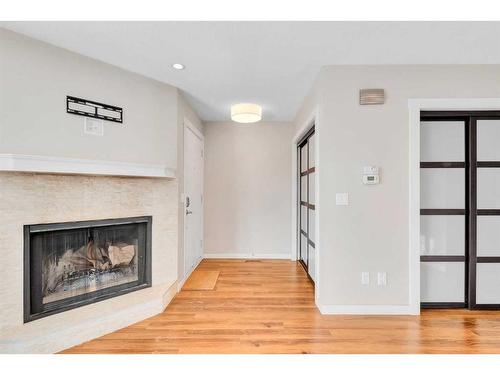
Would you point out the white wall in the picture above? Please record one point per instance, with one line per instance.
(371, 234)
(35, 78)
(247, 189)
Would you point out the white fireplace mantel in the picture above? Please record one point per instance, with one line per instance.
(51, 164)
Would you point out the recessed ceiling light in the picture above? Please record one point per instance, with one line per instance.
(178, 66)
(246, 113)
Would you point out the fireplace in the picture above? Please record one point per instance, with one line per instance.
(67, 265)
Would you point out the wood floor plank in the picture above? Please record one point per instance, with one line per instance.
(268, 307)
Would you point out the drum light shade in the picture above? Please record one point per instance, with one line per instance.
(246, 113)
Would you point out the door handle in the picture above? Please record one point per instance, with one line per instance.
(188, 212)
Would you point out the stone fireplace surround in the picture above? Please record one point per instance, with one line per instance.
(27, 198)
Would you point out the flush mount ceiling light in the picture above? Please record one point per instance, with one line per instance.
(246, 113)
(178, 66)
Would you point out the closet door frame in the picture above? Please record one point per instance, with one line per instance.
(470, 119)
(308, 171)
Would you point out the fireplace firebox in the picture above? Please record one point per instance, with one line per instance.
(68, 265)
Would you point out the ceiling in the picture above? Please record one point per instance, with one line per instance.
(270, 63)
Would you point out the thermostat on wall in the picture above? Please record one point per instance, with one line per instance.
(370, 176)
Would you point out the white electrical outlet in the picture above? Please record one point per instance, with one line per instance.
(93, 127)
(382, 278)
(365, 278)
(342, 199)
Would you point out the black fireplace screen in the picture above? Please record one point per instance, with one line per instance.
(73, 264)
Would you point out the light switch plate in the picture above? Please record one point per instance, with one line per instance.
(365, 278)
(342, 199)
(382, 278)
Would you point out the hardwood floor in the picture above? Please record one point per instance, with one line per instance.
(268, 307)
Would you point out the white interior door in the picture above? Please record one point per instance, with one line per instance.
(193, 198)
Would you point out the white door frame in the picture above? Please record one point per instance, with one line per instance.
(415, 106)
(188, 126)
(311, 120)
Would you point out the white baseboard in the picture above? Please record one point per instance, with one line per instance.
(366, 310)
(247, 256)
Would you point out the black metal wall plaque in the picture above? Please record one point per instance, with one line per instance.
(89, 108)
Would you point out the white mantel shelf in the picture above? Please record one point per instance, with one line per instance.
(50, 164)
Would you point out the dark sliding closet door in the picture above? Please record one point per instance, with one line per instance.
(443, 220)
(306, 207)
(485, 212)
(460, 209)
